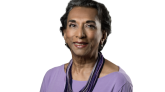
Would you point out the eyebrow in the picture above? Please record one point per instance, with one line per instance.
(88, 21)
(71, 21)
(91, 21)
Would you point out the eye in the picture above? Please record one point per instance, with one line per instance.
(91, 26)
(72, 25)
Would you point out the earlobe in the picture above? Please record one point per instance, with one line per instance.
(64, 31)
(104, 35)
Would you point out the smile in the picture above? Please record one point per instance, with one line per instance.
(78, 45)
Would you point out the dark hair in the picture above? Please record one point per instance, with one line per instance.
(103, 16)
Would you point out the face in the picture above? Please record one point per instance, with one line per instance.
(83, 26)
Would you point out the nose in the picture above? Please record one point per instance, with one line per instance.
(80, 32)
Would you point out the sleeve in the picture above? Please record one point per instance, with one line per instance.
(45, 82)
(127, 87)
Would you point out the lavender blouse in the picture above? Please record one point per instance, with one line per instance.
(54, 81)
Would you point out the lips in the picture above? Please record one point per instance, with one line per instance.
(80, 42)
(80, 45)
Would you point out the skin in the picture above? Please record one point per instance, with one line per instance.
(83, 25)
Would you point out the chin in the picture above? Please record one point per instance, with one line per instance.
(80, 52)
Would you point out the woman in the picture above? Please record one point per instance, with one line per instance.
(85, 27)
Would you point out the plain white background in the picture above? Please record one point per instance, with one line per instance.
(31, 42)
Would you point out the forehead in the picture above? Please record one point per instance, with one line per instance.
(83, 13)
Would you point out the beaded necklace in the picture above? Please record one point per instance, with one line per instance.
(92, 79)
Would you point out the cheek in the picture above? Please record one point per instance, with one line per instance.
(69, 35)
(94, 38)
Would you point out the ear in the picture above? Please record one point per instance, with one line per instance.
(104, 36)
(64, 31)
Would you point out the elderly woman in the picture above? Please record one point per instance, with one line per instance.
(85, 27)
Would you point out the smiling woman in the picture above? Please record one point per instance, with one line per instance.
(83, 32)
(85, 27)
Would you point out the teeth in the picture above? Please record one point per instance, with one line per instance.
(79, 44)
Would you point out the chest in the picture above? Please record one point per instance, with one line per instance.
(58, 85)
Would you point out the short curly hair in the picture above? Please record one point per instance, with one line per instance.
(103, 16)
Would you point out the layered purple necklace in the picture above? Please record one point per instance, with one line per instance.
(92, 79)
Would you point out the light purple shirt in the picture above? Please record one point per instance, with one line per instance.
(54, 81)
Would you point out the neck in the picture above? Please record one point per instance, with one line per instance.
(83, 64)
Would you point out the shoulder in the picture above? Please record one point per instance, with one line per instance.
(122, 81)
(49, 76)
(115, 75)
(54, 71)
(122, 78)
(124, 75)
(108, 68)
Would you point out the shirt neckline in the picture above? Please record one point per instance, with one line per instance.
(98, 78)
